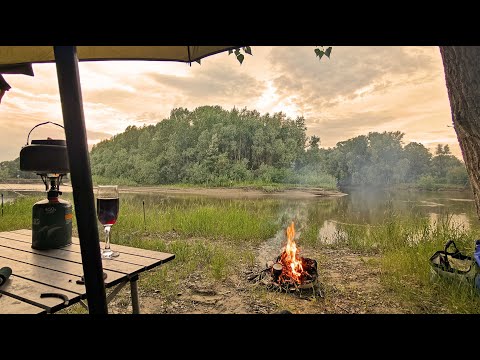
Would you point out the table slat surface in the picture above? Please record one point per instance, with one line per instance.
(44, 276)
(75, 247)
(65, 254)
(57, 271)
(9, 305)
(29, 291)
(67, 267)
(122, 249)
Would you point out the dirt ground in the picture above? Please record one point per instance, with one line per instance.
(349, 284)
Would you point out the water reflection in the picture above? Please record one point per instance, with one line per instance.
(10, 196)
(331, 233)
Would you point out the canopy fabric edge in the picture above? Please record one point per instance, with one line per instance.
(25, 55)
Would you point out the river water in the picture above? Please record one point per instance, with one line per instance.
(360, 207)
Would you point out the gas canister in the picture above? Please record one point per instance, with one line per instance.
(51, 224)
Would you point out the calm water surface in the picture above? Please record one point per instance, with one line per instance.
(358, 207)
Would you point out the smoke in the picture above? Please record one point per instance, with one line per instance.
(293, 211)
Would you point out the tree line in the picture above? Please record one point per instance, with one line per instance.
(215, 147)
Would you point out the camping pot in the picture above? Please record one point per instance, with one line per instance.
(47, 156)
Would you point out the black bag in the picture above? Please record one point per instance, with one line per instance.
(454, 265)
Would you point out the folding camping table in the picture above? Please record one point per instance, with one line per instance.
(58, 273)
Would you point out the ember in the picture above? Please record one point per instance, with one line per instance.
(290, 271)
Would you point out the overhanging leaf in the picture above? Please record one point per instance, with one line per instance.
(319, 53)
(248, 50)
(328, 51)
(240, 58)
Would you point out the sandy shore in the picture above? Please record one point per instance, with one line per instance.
(213, 192)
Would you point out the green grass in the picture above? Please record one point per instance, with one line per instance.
(18, 214)
(217, 239)
(209, 239)
(405, 245)
(232, 221)
(101, 180)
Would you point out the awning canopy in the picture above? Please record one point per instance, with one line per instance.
(18, 60)
(39, 54)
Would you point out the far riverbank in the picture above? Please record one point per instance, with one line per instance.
(233, 192)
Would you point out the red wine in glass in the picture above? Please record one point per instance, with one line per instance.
(107, 210)
(107, 213)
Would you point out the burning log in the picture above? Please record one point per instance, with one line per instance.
(290, 272)
(277, 270)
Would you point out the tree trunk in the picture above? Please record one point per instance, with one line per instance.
(462, 76)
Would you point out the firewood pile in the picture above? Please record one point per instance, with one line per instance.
(290, 272)
(277, 276)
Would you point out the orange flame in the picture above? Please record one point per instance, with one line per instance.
(289, 258)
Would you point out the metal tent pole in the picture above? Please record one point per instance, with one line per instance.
(80, 174)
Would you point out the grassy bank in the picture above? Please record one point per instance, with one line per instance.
(217, 240)
(404, 245)
(211, 240)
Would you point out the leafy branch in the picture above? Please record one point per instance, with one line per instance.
(320, 51)
(239, 55)
(237, 52)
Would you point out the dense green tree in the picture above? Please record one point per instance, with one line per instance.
(418, 158)
(441, 164)
(350, 161)
(457, 175)
(207, 145)
(212, 146)
(11, 169)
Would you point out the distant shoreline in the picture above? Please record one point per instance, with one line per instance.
(234, 192)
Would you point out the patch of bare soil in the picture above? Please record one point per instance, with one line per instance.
(349, 284)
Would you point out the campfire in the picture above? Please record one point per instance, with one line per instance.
(290, 271)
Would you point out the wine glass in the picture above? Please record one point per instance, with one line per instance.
(107, 211)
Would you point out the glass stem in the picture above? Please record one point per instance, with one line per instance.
(107, 237)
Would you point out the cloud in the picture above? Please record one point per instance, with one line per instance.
(335, 129)
(363, 89)
(359, 89)
(96, 136)
(351, 72)
(149, 118)
(214, 82)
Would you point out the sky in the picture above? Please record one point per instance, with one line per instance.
(360, 89)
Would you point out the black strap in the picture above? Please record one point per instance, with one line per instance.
(448, 244)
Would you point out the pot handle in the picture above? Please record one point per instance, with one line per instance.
(46, 122)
